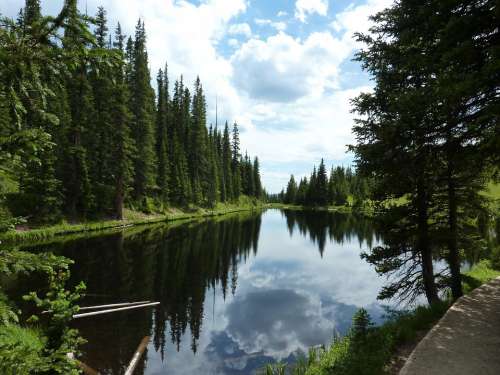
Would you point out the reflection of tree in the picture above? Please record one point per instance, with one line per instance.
(338, 227)
(173, 265)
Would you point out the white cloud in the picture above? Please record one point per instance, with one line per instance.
(303, 8)
(281, 13)
(240, 29)
(278, 25)
(356, 18)
(284, 69)
(235, 43)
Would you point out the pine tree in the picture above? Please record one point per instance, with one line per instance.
(235, 162)
(227, 166)
(256, 177)
(199, 163)
(99, 137)
(123, 147)
(162, 135)
(321, 197)
(142, 108)
(75, 174)
(291, 191)
(32, 12)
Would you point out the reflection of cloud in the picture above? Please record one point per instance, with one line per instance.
(279, 321)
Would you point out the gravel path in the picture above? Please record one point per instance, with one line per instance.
(466, 341)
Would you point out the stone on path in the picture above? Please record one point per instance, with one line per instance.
(466, 341)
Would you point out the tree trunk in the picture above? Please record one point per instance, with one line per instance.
(453, 252)
(119, 197)
(424, 245)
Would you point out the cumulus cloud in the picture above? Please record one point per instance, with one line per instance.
(282, 13)
(303, 8)
(356, 18)
(278, 25)
(240, 29)
(186, 35)
(282, 68)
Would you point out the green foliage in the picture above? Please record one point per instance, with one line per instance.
(21, 350)
(42, 350)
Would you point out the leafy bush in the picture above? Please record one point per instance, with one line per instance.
(39, 347)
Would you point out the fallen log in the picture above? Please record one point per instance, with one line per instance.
(113, 305)
(100, 312)
(137, 355)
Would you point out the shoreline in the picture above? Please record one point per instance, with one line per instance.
(58, 230)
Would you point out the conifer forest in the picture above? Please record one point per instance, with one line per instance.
(85, 133)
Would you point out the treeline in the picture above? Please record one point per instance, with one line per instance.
(428, 135)
(86, 133)
(341, 187)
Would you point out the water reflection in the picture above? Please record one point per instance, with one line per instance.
(235, 293)
(334, 226)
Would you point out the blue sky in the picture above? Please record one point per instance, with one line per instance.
(281, 69)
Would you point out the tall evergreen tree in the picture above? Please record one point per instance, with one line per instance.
(162, 135)
(142, 108)
(256, 178)
(74, 173)
(227, 165)
(321, 197)
(123, 147)
(235, 163)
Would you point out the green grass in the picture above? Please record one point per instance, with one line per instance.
(132, 218)
(479, 274)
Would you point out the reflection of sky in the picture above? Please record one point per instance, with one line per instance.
(288, 298)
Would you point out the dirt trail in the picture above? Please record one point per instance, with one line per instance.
(466, 341)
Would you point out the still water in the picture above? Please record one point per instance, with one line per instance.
(236, 293)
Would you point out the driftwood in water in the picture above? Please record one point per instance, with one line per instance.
(113, 305)
(76, 316)
(137, 355)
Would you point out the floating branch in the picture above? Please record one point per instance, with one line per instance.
(76, 316)
(137, 355)
(113, 305)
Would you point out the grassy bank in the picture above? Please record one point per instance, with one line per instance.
(131, 218)
(342, 209)
(380, 350)
(478, 275)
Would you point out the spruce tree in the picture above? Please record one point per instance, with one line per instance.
(235, 162)
(122, 144)
(321, 197)
(162, 135)
(75, 173)
(256, 177)
(291, 191)
(142, 108)
(227, 166)
(199, 163)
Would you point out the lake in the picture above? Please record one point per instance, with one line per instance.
(236, 292)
